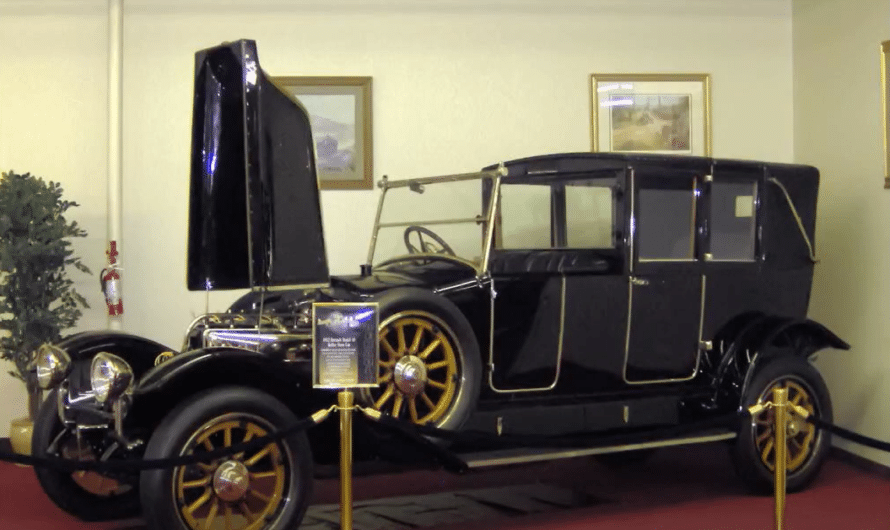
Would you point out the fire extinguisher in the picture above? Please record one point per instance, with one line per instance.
(110, 279)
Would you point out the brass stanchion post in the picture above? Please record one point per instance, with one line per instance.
(780, 407)
(345, 401)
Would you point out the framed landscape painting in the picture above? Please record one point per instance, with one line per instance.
(651, 113)
(340, 111)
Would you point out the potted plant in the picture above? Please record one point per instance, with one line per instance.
(37, 298)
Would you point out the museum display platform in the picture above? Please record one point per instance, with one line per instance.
(686, 487)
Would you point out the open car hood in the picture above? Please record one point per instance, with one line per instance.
(254, 213)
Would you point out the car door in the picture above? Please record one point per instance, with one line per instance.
(666, 286)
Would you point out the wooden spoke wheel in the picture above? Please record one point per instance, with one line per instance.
(266, 488)
(419, 368)
(801, 434)
(239, 492)
(754, 451)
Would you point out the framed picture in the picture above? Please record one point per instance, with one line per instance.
(651, 113)
(885, 111)
(340, 111)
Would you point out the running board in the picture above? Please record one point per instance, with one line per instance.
(524, 456)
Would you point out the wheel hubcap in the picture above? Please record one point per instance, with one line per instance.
(231, 481)
(410, 375)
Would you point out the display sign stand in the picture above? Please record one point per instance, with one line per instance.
(345, 400)
(345, 356)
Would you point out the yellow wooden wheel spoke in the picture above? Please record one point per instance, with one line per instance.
(390, 390)
(436, 366)
(227, 515)
(397, 405)
(436, 384)
(389, 349)
(227, 436)
(200, 483)
(208, 524)
(245, 511)
(401, 338)
(412, 409)
(200, 501)
(415, 344)
(427, 401)
(387, 364)
(258, 495)
(767, 449)
(207, 443)
(259, 456)
(262, 474)
(385, 378)
(430, 349)
(763, 436)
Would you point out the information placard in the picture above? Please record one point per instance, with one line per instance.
(345, 346)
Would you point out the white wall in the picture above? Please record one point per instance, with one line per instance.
(457, 85)
(837, 123)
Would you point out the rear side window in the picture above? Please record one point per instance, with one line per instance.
(666, 224)
(733, 220)
(525, 217)
(590, 214)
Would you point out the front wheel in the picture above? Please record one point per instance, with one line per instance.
(87, 495)
(754, 454)
(264, 489)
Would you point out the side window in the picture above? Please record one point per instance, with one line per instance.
(590, 214)
(733, 222)
(524, 217)
(665, 224)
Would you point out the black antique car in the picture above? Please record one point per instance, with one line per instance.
(604, 301)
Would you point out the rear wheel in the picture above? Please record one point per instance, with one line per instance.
(263, 489)
(430, 367)
(754, 452)
(87, 495)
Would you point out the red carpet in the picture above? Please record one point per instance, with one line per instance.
(687, 488)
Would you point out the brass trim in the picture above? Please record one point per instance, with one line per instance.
(478, 460)
(376, 230)
(501, 171)
(562, 321)
(632, 232)
(478, 219)
(803, 232)
(493, 204)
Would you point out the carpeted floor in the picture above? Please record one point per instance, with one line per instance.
(684, 488)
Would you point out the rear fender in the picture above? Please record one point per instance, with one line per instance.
(174, 380)
(801, 338)
(761, 338)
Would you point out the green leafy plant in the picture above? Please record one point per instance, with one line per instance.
(37, 298)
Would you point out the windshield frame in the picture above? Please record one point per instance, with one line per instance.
(487, 219)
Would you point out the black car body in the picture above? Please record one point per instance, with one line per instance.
(585, 295)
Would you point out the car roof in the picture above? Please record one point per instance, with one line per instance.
(554, 164)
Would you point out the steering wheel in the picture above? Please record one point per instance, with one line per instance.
(436, 246)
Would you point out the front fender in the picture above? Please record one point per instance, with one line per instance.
(174, 380)
(140, 353)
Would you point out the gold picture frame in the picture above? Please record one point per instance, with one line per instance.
(340, 111)
(651, 113)
(885, 112)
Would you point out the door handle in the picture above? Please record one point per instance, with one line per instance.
(638, 281)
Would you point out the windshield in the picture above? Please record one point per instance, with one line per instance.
(443, 220)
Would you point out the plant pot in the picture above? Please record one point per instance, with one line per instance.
(20, 430)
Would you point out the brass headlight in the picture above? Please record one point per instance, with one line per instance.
(52, 365)
(110, 377)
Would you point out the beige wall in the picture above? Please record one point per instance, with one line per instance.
(837, 124)
(456, 86)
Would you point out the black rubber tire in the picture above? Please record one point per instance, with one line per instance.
(409, 299)
(61, 487)
(745, 455)
(180, 425)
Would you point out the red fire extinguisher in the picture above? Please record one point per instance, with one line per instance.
(110, 279)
